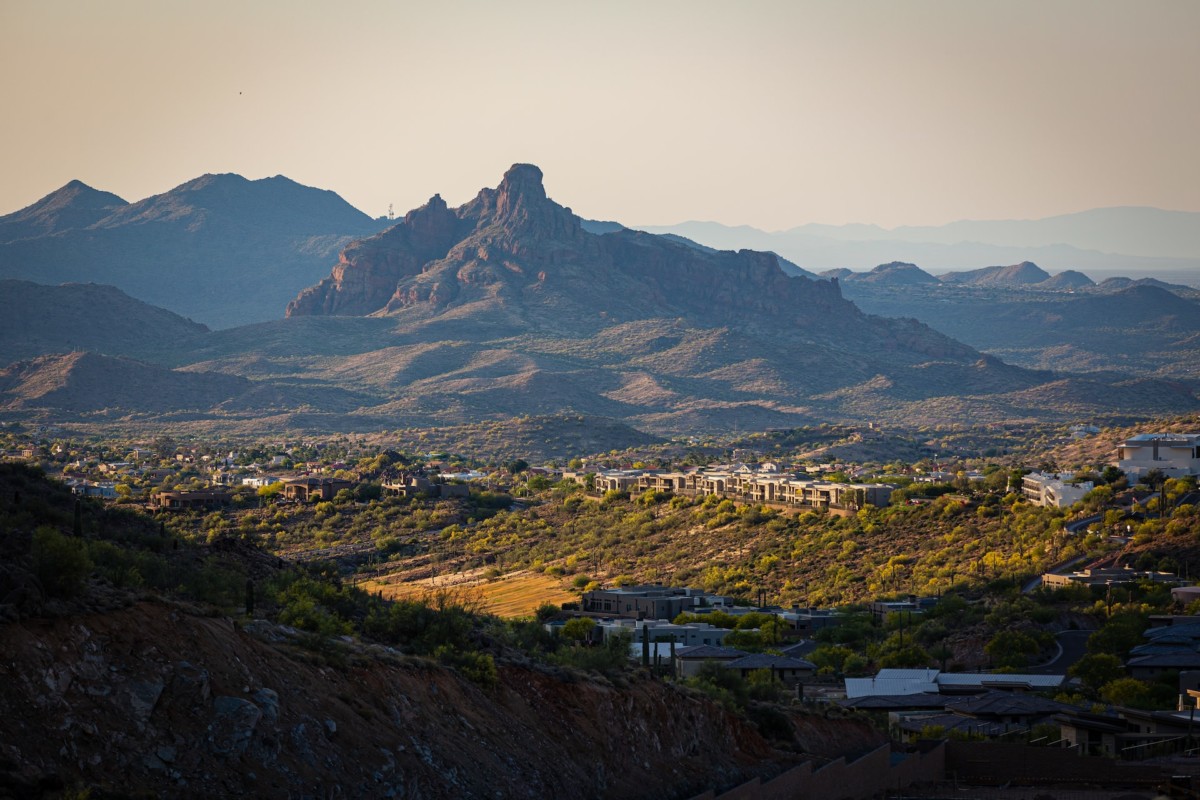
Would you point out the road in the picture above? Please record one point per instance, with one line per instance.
(1072, 646)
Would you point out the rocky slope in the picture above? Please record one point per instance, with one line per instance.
(220, 249)
(516, 260)
(156, 700)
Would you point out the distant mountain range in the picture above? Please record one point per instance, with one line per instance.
(220, 249)
(1103, 242)
(511, 305)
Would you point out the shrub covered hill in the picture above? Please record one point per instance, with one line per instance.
(140, 661)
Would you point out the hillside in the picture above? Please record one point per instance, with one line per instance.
(139, 652)
(220, 249)
(1022, 274)
(36, 320)
(1142, 329)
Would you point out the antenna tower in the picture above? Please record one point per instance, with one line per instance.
(391, 213)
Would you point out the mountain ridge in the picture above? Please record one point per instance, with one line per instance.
(221, 249)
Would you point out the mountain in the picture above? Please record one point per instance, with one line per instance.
(75, 205)
(1067, 281)
(518, 261)
(1100, 241)
(895, 273)
(220, 249)
(509, 304)
(36, 319)
(1118, 284)
(1023, 274)
(1142, 329)
(510, 307)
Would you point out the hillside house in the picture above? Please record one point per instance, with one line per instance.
(1176, 454)
(647, 601)
(202, 499)
(660, 630)
(312, 489)
(688, 660)
(782, 668)
(1108, 576)
(892, 682)
(413, 485)
(1052, 490)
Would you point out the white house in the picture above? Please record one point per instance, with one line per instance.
(1053, 491)
(1176, 454)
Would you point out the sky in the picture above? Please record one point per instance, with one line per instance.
(770, 114)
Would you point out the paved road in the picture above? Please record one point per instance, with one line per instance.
(1072, 647)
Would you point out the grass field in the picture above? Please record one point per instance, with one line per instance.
(517, 594)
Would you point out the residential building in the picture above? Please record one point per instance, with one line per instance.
(311, 489)
(1053, 490)
(782, 668)
(893, 682)
(1107, 576)
(688, 660)
(190, 501)
(1176, 454)
(661, 630)
(648, 601)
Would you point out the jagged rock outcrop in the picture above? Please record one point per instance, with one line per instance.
(519, 260)
(369, 269)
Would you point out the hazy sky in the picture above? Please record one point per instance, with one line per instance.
(771, 114)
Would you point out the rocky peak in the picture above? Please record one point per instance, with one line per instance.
(520, 203)
(520, 189)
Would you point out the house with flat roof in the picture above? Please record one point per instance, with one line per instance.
(688, 660)
(916, 681)
(648, 601)
(1051, 490)
(311, 489)
(188, 501)
(1176, 454)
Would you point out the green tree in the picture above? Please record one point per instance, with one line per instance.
(1011, 649)
(1125, 692)
(1095, 670)
(578, 629)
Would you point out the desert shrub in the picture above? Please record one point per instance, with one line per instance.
(60, 562)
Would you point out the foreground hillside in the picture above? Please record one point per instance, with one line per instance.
(156, 699)
(142, 662)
